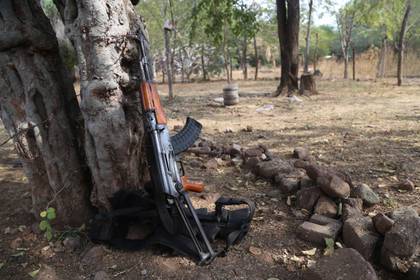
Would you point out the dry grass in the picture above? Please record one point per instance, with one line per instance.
(366, 66)
(369, 129)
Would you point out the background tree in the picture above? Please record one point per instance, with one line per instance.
(224, 21)
(401, 41)
(388, 18)
(345, 24)
(288, 21)
(245, 25)
(308, 37)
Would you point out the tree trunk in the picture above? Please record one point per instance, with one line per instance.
(345, 23)
(257, 61)
(308, 38)
(181, 60)
(307, 84)
(354, 62)
(316, 52)
(401, 42)
(39, 108)
(203, 65)
(230, 66)
(168, 60)
(346, 65)
(244, 58)
(288, 32)
(225, 54)
(382, 56)
(110, 100)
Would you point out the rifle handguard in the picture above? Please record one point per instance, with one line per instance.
(189, 186)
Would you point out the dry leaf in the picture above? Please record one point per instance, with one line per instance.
(289, 201)
(255, 251)
(311, 252)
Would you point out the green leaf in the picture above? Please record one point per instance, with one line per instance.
(49, 235)
(43, 225)
(1, 265)
(34, 273)
(43, 214)
(51, 214)
(329, 249)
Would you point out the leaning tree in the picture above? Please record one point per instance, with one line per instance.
(76, 152)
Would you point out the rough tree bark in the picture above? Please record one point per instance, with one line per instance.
(353, 59)
(345, 23)
(168, 60)
(226, 55)
(288, 18)
(308, 38)
(245, 57)
(102, 33)
(382, 58)
(203, 64)
(401, 42)
(316, 52)
(257, 60)
(307, 81)
(38, 106)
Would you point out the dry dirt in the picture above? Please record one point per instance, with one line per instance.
(369, 129)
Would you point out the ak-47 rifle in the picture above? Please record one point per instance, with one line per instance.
(165, 205)
(170, 189)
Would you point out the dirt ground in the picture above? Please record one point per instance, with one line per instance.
(369, 129)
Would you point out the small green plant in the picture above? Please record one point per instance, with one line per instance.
(329, 247)
(47, 217)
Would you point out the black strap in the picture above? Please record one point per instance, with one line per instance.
(228, 225)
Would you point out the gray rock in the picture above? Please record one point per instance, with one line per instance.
(326, 207)
(403, 212)
(288, 185)
(93, 256)
(301, 153)
(318, 228)
(251, 163)
(306, 182)
(101, 275)
(269, 169)
(72, 243)
(307, 198)
(313, 171)
(402, 242)
(354, 202)
(349, 212)
(404, 237)
(254, 152)
(352, 207)
(359, 234)
(382, 223)
(394, 263)
(343, 264)
(235, 150)
(365, 193)
(407, 185)
(334, 186)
